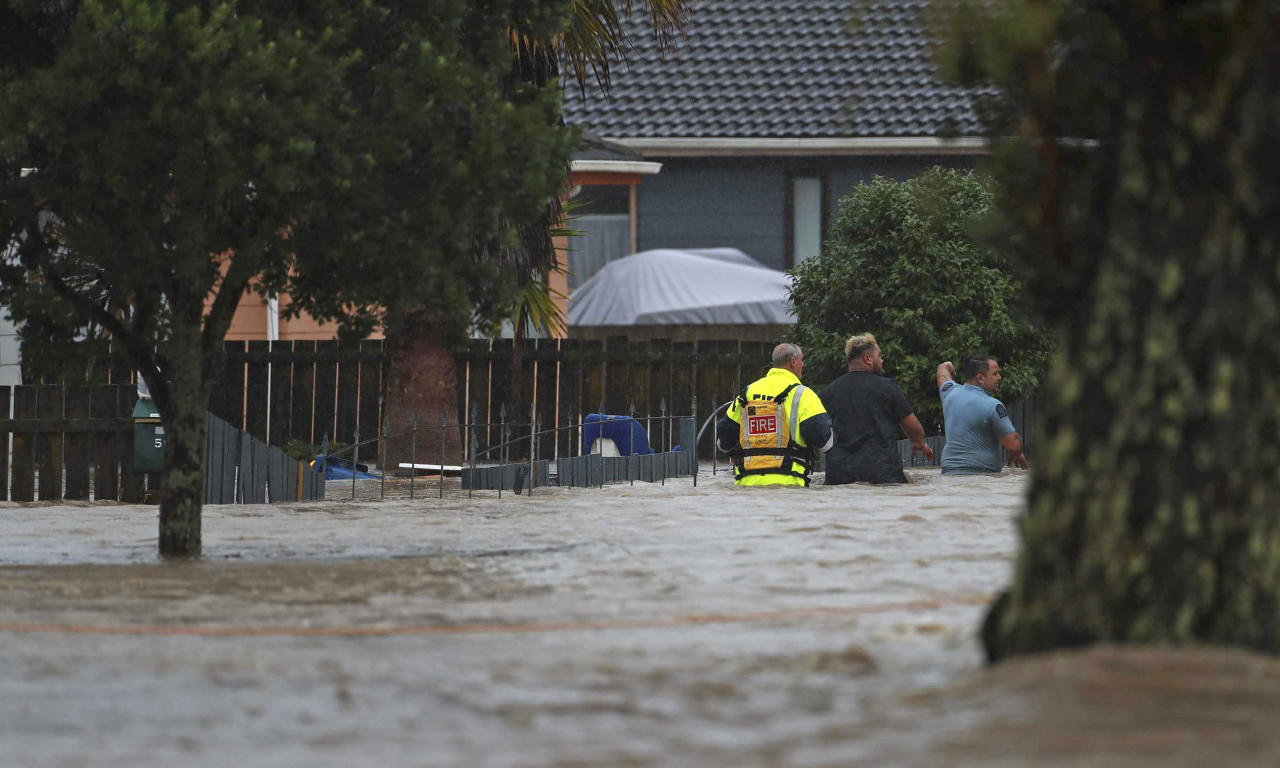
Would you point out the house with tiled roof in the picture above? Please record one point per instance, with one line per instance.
(770, 112)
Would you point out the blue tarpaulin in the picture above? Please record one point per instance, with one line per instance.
(336, 468)
(625, 432)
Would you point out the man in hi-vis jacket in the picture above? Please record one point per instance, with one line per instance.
(775, 427)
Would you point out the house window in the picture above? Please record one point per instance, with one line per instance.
(806, 223)
(601, 216)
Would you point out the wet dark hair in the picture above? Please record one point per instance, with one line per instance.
(975, 364)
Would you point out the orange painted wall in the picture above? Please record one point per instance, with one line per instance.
(250, 323)
(250, 320)
(559, 281)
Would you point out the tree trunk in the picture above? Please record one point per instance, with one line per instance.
(422, 379)
(183, 402)
(1154, 509)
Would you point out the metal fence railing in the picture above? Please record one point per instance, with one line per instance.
(512, 460)
(611, 449)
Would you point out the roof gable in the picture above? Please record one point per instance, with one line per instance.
(780, 69)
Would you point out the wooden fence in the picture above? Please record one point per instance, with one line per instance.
(304, 390)
(76, 443)
(241, 469)
(280, 391)
(562, 379)
(70, 443)
(284, 390)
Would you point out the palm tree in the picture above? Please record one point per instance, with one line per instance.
(423, 376)
(594, 41)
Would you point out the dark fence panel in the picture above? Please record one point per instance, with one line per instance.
(499, 391)
(302, 393)
(228, 395)
(257, 385)
(65, 442)
(576, 377)
(218, 481)
(370, 397)
(1024, 415)
(24, 446)
(474, 376)
(76, 406)
(49, 444)
(593, 470)
(133, 485)
(301, 390)
(104, 402)
(347, 404)
(69, 442)
(240, 468)
(546, 392)
(326, 389)
(569, 390)
(280, 405)
(593, 378)
(5, 393)
(507, 477)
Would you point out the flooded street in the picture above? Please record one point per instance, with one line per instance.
(643, 625)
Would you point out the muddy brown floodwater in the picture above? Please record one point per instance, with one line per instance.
(629, 626)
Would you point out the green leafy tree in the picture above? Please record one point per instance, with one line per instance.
(168, 155)
(902, 262)
(1136, 145)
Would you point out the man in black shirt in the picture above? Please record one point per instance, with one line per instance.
(868, 415)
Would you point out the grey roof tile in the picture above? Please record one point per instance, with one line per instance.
(780, 69)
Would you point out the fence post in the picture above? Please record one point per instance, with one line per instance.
(413, 455)
(502, 448)
(662, 409)
(573, 454)
(715, 443)
(471, 448)
(444, 430)
(631, 436)
(533, 432)
(355, 460)
(693, 455)
(324, 453)
(386, 435)
(555, 430)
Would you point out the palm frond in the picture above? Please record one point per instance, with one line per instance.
(597, 37)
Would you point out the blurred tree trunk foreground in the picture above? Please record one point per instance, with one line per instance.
(1154, 509)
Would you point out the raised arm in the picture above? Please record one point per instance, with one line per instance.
(946, 372)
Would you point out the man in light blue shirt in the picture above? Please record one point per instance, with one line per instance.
(977, 424)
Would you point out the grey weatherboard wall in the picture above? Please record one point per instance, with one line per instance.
(714, 203)
(741, 202)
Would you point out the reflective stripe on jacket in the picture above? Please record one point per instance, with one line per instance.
(801, 405)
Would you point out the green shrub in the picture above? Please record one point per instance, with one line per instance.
(904, 261)
(304, 451)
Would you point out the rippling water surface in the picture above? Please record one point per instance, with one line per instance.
(643, 625)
